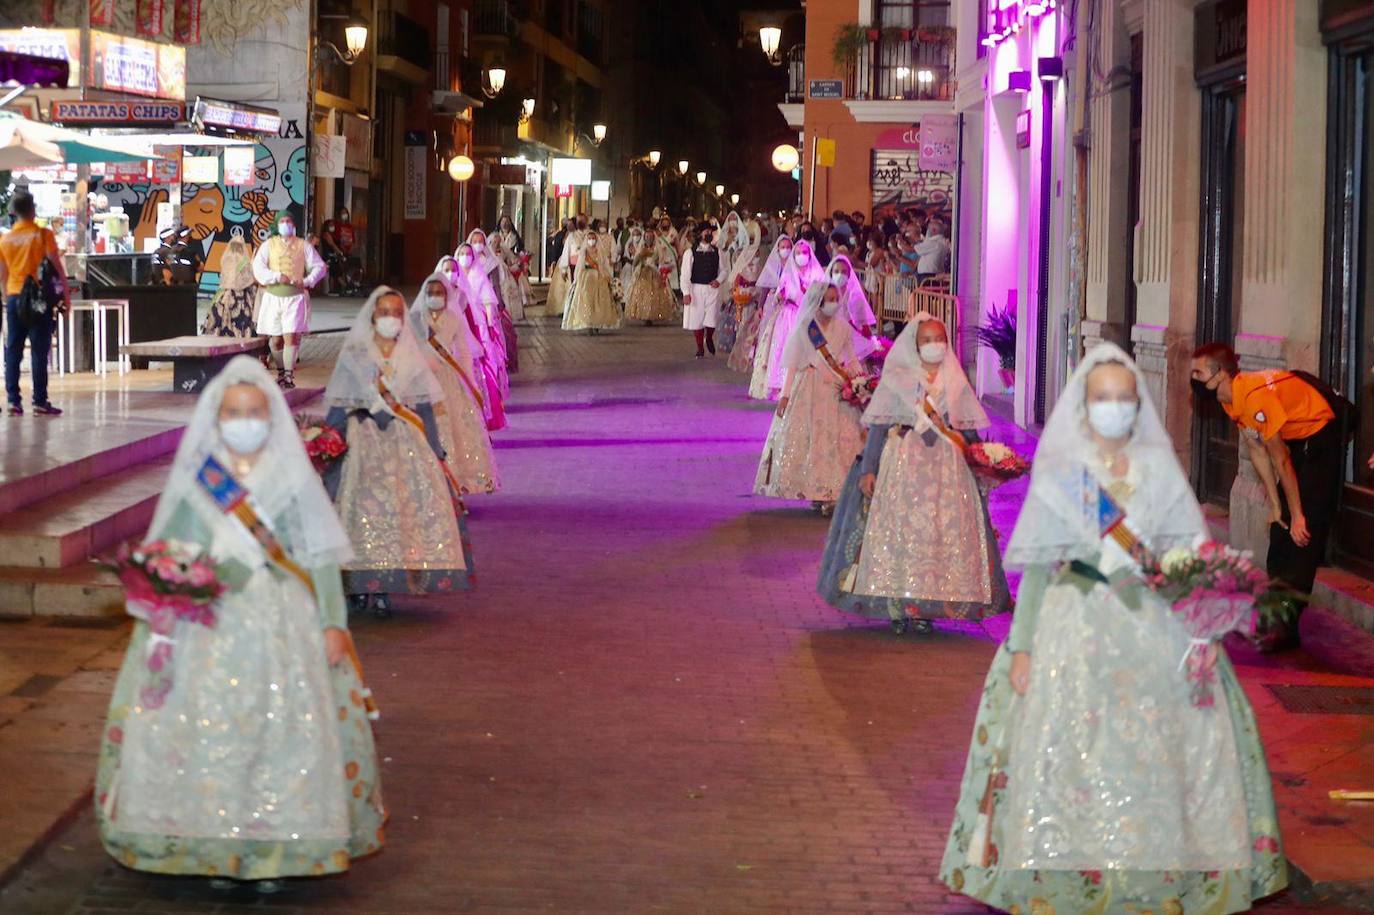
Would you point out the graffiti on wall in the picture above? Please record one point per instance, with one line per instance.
(215, 213)
(899, 183)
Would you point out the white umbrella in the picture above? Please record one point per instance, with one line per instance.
(73, 146)
(21, 148)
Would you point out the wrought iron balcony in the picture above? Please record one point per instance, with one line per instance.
(497, 18)
(905, 64)
(403, 37)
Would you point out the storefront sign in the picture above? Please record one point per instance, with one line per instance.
(939, 134)
(127, 172)
(415, 188)
(899, 183)
(167, 171)
(899, 138)
(228, 117)
(562, 190)
(330, 154)
(826, 88)
(576, 172)
(76, 112)
(601, 190)
(123, 64)
(1220, 29)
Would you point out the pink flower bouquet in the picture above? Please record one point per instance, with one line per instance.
(859, 391)
(166, 582)
(1215, 590)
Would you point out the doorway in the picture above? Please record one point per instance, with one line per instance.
(1215, 440)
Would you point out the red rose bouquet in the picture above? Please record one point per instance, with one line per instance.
(996, 462)
(324, 445)
(859, 391)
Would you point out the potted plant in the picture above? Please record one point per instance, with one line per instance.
(998, 333)
(849, 38)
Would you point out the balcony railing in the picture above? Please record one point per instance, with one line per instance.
(496, 17)
(403, 37)
(796, 74)
(489, 135)
(902, 68)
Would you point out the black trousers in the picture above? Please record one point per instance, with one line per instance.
(1317, 465)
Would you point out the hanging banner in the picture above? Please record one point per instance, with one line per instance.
(148, 17)
(102, 12)
(358, 134)
(899, 183)
(939, 138)
(185, 21)
(825, 152)
(415, 190)
(331, 152)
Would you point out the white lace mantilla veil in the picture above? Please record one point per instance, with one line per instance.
(596, 253)
(487, 258)
(771, 275)
(800, 278)
(897, 402)
(456, 342)
(856, 301)
(1059, 520)
(354, 382)
(283, 483)
(473, 283)
(843, 341)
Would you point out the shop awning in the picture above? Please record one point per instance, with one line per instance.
(31, 70)
(21, 149)
(76, 148)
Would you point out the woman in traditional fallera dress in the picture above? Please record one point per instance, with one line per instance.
(590, 304)
(761, 338)
(731, 240)
(258, 763)
(485, 307)
(797, 276)
(841, 272)
(911, 540)
(394, 494)
(1093, 782)
(437, 318)
(649, 298)
(506, 289)
(509, 246)
(231, 312)
(560, 276)
(815, 432)
(488, 370)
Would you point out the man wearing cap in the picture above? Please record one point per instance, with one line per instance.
(1289, 423)
(286, 268)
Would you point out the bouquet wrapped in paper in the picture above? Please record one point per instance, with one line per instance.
(1214, 590)
(859, 390)
(166, 582)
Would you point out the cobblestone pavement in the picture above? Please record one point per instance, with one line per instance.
(642, 706)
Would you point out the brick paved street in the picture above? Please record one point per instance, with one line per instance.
(643, 706)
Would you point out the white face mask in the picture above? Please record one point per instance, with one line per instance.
(435, 302)
(465, 259)
(1112, 419)
(829, 308)
(388, 327)
(287, 229)
(932, 353)
(244, 436)
(591, 243)
(479, 245)
(840, 279)
(801, 258)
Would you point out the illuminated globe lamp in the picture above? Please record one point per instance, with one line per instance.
(786, 157)
(355, 36)
(682, 166)
(770, 38)
(460, 168)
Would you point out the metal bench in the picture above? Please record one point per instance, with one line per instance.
(195, 360)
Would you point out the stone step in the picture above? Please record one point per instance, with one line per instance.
(1347, 595)
(44, 458)
(80, 590)
(84, 522)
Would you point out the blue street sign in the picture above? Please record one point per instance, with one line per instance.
(827, 88)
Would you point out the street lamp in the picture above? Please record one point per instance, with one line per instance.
(460, 168)
(720, 190)
(682, 167)
(770, 38)
(701, 178)
(598, 134)
(493, 81)
(786, 157)
(355, 40)
(526, 110)
(734, 200)
(654, 157)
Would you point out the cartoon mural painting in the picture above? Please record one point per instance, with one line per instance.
(215, 213)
